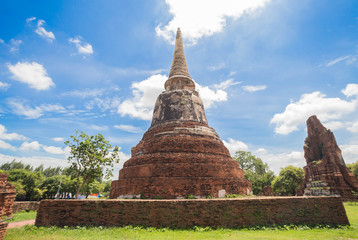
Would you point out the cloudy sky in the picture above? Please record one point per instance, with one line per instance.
(262, 67)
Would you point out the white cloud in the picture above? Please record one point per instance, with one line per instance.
(337, 60)
(235, 145)
(82, 48)
(10, 136)
(144, 96)
(334, 125)
(351, 90)
(316, 103)
(210, 96)
(40, 30)
(53, 150)
(21, 108)
(58, 139)
(84, 93)
(2, 41)
(276, 161)
(29, 146)
(98, 127)
(4, 86)
(30, 19)
(104, 104)
(52, 108)
(353, 127)
(6, 146)
(146, 92)
(35, 160)
(228, 83)
(128, 128)
(33, 74)
(15, 45)
(349, 152)
(216, 67)
(203, 17)
(252, 89)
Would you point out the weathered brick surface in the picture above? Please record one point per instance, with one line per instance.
(21, 206)
(188, 213)
(326, 172)
(176, 159)
(3, 226)
(7, 197)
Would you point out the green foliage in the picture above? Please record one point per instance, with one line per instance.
(27, 183)
(190, 196)
(15, 165)
(91, 158)
(255, 170)
(58, 184)
(232, 196)
(93, 187)
(353, 168)
(288, 181)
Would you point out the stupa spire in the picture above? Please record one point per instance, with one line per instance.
(179, 77)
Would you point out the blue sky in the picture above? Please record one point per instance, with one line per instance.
(261, 67)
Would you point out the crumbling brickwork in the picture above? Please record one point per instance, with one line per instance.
(179, 159)
(185, 213)
(326, 172)
(7, 198)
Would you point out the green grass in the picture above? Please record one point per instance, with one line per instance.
(23, 215)
(43, 233)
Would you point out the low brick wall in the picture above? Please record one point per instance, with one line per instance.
(3, 226)
(21, 206)
(196, 212)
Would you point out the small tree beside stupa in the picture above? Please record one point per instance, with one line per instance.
(91, 157)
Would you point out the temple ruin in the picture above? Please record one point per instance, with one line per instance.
(326, 173)
(180, 155)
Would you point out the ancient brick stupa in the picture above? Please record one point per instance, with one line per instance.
(326, 173)
(180, 155)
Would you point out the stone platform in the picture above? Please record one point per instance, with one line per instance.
(187, 213)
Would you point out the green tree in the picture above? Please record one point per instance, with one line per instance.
(15, 165)
(353, 168)
(255, 170)
(56, 184)
(52, 171)
(93, 187)
(91, 158)
(27, 181)
(288, 181)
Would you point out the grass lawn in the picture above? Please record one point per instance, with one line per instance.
(31, 232)
(23, 215)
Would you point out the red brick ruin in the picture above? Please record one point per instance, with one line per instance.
(7, 198)
(326, 173)
(180, 154)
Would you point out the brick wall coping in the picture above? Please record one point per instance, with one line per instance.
(199, 199)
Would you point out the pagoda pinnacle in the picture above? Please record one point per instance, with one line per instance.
(179, 77)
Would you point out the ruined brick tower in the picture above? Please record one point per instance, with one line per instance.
(326, 173)
(180, 154)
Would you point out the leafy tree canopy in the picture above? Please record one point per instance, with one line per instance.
(91, 157)
(288, 181)
(353, 168)
(255, 170)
